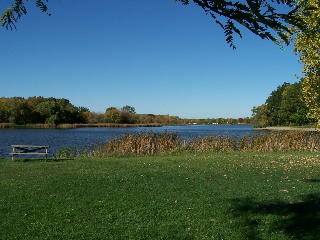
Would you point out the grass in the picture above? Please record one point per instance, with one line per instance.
(224, 195)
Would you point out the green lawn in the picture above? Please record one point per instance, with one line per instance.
(184, 196)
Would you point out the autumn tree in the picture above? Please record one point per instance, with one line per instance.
(128, 109)
(112, 115)
(307, 45)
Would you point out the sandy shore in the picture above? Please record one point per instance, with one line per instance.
(287, 129)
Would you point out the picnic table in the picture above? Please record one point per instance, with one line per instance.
(29, 150)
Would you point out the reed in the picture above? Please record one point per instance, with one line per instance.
(213, 143)
(141, 144)
(281, 142)
(153, 143)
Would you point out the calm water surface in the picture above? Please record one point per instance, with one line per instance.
(88, 137)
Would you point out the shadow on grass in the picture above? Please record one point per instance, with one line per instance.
(297, 220)
(312, 180)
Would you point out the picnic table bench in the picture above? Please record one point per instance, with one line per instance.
(29, 150)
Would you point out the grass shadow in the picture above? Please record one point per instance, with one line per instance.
(297, 220)
(312, 180)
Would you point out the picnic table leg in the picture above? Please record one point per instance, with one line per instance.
(13, 150)
(46, 155)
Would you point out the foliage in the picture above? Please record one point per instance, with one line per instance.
(307, 45)
(260, 116)
(51, 112)
(128, 109)
(284, 107)
(268, 19)
(126, 114)
(35, 110)
(113, 115)
(18, 9)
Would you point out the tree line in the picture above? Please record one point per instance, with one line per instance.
(55, 111)
(284, 107)
(35, 110)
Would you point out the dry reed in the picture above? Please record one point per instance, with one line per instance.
(143, 144)
(154, 143)
(213, 143)
(281, 142)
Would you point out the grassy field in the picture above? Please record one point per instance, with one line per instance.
(183, 196)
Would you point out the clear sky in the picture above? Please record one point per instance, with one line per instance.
(158, 56)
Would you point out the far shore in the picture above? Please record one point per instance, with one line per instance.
(76, 125)
(305, 129)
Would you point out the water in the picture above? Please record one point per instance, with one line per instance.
(88, 137)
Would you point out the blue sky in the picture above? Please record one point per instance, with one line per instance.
(158, 56)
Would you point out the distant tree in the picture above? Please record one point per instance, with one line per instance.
(221, 121)
(113, 116)
(48, 110)
(111, 108)
(128, 109)
(19, 111)
(83, 109)
(92, 117)
(292, 110)
(284, 106)
(4, 110)
(260, 116)
(273, 103)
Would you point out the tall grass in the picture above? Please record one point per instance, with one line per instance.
(281, 142)
(143, 144)
(154, 143)
(213, 143)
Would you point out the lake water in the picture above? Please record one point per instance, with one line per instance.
(88, 137)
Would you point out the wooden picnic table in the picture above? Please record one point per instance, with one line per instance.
(29, 150)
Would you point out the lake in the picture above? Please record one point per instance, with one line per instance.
(88, 137)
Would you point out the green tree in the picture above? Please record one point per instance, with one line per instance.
(128, 109)
(48, 110)
(284, 106)
(260, 116)
(292, 110)
(19, 111)
(4, 110)
(113, 115)
(273, 103)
